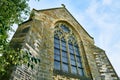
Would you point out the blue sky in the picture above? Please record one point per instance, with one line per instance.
(100, 18)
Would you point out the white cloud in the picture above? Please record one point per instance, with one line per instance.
(107, 2)
(105, 17)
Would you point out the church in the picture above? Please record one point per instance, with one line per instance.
(65, 49)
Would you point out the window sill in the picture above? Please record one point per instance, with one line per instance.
(69, 75)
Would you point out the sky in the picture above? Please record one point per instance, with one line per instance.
(100, 18)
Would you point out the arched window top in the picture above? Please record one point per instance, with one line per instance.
(63, 27)
(56, 36)
(64, 30)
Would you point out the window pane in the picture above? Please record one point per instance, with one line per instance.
(63, 43)
(57, 57)
(77, 51)
(78, 59)
(70, 46)
(64, 48)
(57, 65)
(62, 39)
(64, 53)
(64, 59)
(73, 62)
(56, 51)
(56, 36)
(81, 71)
(76, 48)
(59, 33)
(79, 64)
(56, 41)
(65, 29)
(56, 45)
(65, 67)
(74, 69)
(71, 51)
(72, 57)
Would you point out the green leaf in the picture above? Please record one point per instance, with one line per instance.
(35, 60)
(31, 66)
(32, 59)
(38, 60)
(28, 64)
(11, 12)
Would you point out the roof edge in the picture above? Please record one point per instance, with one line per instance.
(47, 9)
(63, 7)
(25, 22)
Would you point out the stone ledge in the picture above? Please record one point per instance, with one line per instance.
(69, 75)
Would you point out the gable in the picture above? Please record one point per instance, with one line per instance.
(54, 15)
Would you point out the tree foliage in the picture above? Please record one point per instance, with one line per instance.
(11, 11)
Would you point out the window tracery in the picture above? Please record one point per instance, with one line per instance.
(66, 51)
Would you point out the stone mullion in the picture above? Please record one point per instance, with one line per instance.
(68, 55)
(75, 59)
(60, 55)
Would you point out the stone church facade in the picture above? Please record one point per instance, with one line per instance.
(65, 49)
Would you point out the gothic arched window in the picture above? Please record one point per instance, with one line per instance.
(66, 51)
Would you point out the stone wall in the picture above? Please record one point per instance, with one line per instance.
(39, 41)
(52, 16)
(39, 45)
(105, 68)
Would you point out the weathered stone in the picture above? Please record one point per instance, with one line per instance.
(39, 40)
